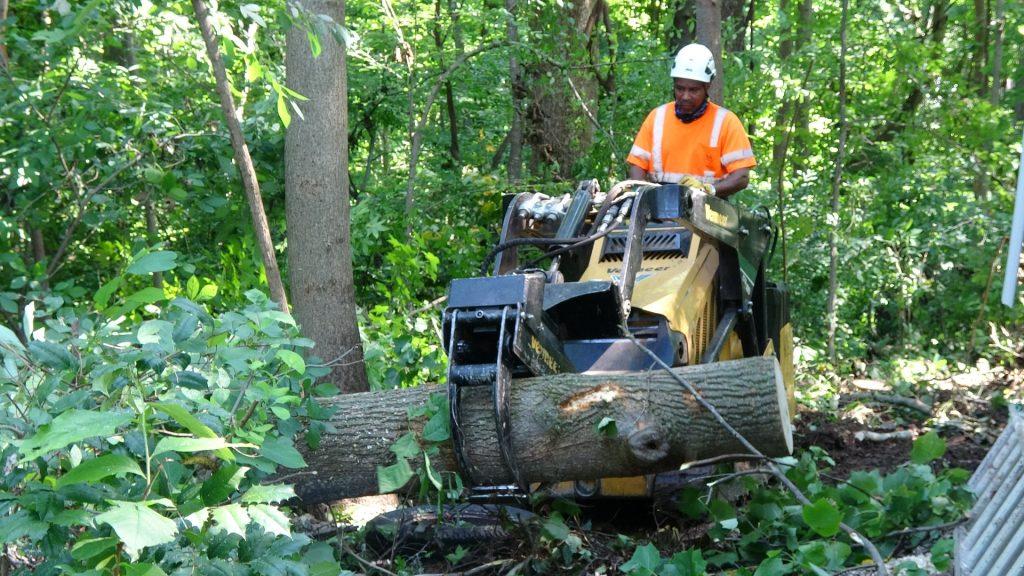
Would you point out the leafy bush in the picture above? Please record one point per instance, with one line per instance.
(147, 447)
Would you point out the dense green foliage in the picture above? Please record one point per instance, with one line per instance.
(147, 381)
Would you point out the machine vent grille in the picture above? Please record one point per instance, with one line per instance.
(702, 332)
(658, 245)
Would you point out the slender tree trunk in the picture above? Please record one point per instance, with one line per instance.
(709, 33)
(153, 234)
(837, 176)
(554, 427)
(980, 56)
(4, 57)
(317, 207)
(996, 89)
(453, 126)
(38, 244)
(515, 136)
(242, 159)
(980, 80)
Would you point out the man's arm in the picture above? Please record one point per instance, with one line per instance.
(637, 173)
(732, 183)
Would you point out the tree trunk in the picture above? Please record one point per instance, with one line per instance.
(683, 28)
(317, 201)
(996, 90)
(709, 33)
(242, 159)
(515, 135)
(4, 58)
(449, 96)
(554, 427)
(980, 56)
(837, 176)
(558, 130)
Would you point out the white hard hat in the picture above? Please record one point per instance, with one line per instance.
(694, 62)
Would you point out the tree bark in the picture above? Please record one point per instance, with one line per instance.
(837, 177)
(515, 134)
(242, 159)
(709, 33)
(4, 58)
(554, 427)
(449, 96)
(996, 89)
(683, 28)
(317, 201)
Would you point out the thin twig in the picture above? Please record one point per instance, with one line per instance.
(928, 528)
(856, 536)
(366, 563)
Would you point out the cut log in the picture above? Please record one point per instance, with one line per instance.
(554, 421)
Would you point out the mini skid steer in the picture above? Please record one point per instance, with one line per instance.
(682, 273)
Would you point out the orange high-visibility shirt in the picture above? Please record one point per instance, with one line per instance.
(707, 148)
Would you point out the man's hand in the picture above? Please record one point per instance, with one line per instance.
(697, 185)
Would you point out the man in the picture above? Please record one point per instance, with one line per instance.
(693, 141)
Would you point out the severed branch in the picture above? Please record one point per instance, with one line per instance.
(773, 468)
(863, 435)
(895, 399)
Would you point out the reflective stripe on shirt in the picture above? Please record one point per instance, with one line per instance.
(640, 152)
(737, 155)
(717, 128)
(659, 132)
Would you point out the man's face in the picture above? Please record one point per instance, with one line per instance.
(689, 94)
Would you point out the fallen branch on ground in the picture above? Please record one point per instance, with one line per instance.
(913, 403)
(863, 435)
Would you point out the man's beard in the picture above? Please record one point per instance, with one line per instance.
(687, 118)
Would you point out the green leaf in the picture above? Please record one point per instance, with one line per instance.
(71, 426)
(689, 563)
(89, 548)
(927, 448)
(190, 422)
(607, 427)
(438, 428)
(645, 558)
(9, 338)
(143, 569)
(554, 527)
(822, 517)
(942, 553)
(268, 494)
(52, 355)
(179, 444)
(217, 488)
(394, 477)
(282, 110)
(771, 567)
(406, 446)
(231, 518)
(156, 332)
(188, 379)
(270, 518)
(253, 71)
(99, 468)
(138, 526)
(282, 451)
(293, 360)
(159, 261)
(432, 474)
(19, 525)
(207, 292)
(102, 296)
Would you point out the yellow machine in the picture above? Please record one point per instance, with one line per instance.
(681, 271)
